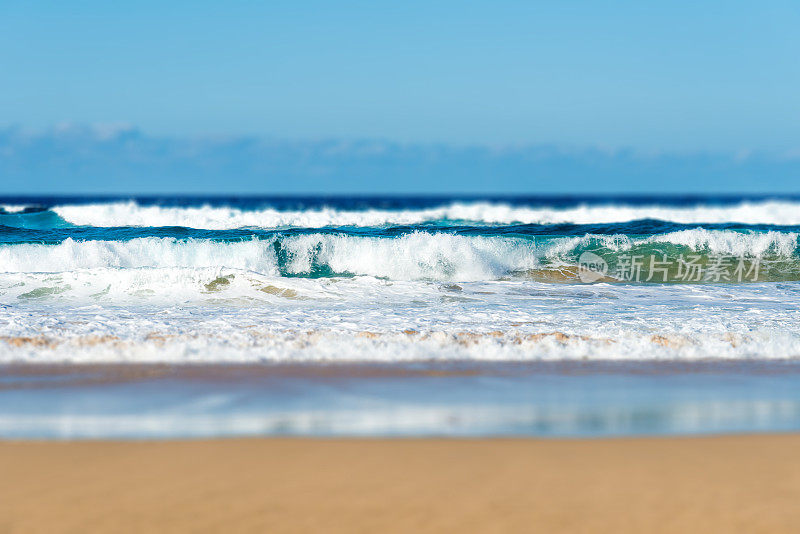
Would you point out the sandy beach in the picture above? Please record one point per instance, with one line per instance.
(700, 484)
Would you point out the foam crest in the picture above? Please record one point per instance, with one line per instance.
(767, 212)
(13, 208)
(410, 257)
(221, 218)
(71, 255)
(700, 240)
(734, 243)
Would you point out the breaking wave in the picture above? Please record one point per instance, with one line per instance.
(412, 256)
(785, 213)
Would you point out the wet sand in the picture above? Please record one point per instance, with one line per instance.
(700, 484)
(28, 375)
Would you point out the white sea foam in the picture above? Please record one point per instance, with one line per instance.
(735, 243)
(415, 256)
(70, 255)
(366, 319)
(12, 208)
(218, 218)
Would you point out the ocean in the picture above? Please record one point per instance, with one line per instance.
(484, 289)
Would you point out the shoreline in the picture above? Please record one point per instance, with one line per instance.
(667, 484)
(115, 372)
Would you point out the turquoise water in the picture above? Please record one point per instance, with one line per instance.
(534, 238)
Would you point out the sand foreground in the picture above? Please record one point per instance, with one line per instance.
(701, 484)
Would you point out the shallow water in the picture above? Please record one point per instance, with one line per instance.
(464, 399)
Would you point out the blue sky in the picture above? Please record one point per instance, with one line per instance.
(670, 77)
